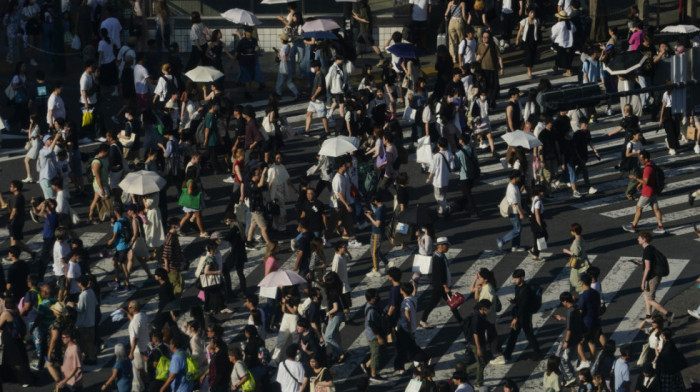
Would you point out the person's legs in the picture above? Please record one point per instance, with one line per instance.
(435, 296)
(331, 333)
(657, 213)
(566, 367)
(375, 251)
(403, 343)
(440, 198)
(512, 339)
(514, 233)
(530, 335)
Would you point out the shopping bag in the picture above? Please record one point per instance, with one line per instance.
(75, 42)
(541, 243)
(402, 228)
(414, 385)
(503, 207)
(10, 92)
(268, 292)
(424, 152)
(455, 300)
(409, 115)
(423, 264)
(691, 133)
(87, 118)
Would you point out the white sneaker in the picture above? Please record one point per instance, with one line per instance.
(499, 360)
(583, 365)
(696, 149)
(28, 179)
(577, 195)
(592, 191)
(506, 45)
(482, 145)
(374, 274)
(229, 180)
(354, 244)
(671, 151)
(517, 249)
(666, 142)
(501, 43)
(694, 313)
(293, 245)
(101, 139)
(390, 264)
(683, 139)
(258, 237)
(609, 112)
(659, 230)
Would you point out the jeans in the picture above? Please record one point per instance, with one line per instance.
(332, 331)
(40, 345)
(568, 355)
(644, 81)
(286, 79)
(514, 234)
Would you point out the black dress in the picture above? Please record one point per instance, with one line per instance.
(215, 56)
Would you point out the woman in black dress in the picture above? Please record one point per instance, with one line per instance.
(215, 50)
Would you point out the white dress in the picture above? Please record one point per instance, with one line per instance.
(153, 228)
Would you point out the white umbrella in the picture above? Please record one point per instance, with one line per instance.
(336, 147)
(142, 182)
(352, 139)
(521, 139)
(281, 278)
(681, 29)
(239, 16)
(320, 25)
(202, 74)
(278, 1)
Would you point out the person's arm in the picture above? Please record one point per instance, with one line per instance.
(166, 385)
(661, 113)
(520, 33)
(300, 254)
(341, 198)
(447, 9)
(647, 268)
(133, 347)
(110, 380)
(509, 118)
(335, 309)
(616, 131)
(538, 217)
(479, 350)
(464, 12)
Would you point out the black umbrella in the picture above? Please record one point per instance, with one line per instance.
(417, 216)
(625, 62)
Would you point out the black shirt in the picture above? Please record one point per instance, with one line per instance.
(319, 81)
(313, 212)
(649, 254)
(304, 246)
(17, 203)
(581, 140)
(479, 327)
(165, 295)
(402, 196)
(17, 274)
(255, 194)
(313, 313)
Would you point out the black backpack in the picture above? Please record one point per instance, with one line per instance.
(170, 87)
(536, 297)
(660, 182)
(661, 267)
(127, 233)
(18, 328)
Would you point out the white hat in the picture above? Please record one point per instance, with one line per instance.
(442, 240)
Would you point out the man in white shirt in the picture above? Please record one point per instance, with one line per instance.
(341, 199)
(142, 82)
(139, 339)
(336, 80)
(290, 373)
(46, 165)
(515, 213)
(114, 28)
(419, 21)
(88, 86)
(55, 106)
(467, 49)
(440, 167)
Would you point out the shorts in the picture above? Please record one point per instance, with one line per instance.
(592, 335)
(257, 218)
(339, 98)
(17, 231)
(365, 38)
(46, 189)
(121, 256)
(175, 278)
(317, 107)
(652, 285)
(647, 201)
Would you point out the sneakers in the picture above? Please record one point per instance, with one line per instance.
(425, 325)
(556, 184)
(694, 313)
(377, 378)
(499, 360)
(250, 245)
(101, 139)
(592, 191)
(364, 368)
(3, 206)
(570, 382)
(671, 151)
(390, 264)
(499, 243)
(669, 317)
(482, 145)
(33, 63)
(28, 180)
(35, 218)
(583, 365)
(293, 245)
(696, 149)
(691, 198)
(517, 249)
(659, 230)
(629, 228)
(374, 274)
(204, 234)
(229, 180)
(577, 195)
(609, 112)
(354, 244)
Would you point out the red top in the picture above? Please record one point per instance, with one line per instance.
(650, 175)
(235, 176)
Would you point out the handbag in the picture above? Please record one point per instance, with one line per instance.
(455, 300)
(87, 118)
(424, 152)
(422, 264)
(319, 388)
(541, 243)
(644, 354)
(268, 292)
(28, 145)
(402, 228)
(249, 384)
(503, 207)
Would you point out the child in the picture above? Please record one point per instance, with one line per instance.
(599, 383)
(585, 380)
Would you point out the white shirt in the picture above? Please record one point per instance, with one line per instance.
(565, 5)
(440, 169)
(56, 104)
(86, 82)
(162, 87)
(47, 164)
(73, 274)
(507, 6)
(340, 186)
(537, 205)
(62, 205)
(190, 114)
(562, 36)
(525, 24)
(140, 76)
(667, 100)
(114, 29)
(420, 10)
(286, 376)
(61, 250)
(138, 328)
(513, 197)
(340, 267)
(125, 52)
(107, 52)
(467, 51)
(336, 77)
(197, 35)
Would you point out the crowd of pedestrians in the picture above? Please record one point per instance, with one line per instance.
(185, 132)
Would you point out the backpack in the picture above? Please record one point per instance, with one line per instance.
(127, 233)
(200, 133)
(162, 367)
(192, 371)
(661, 267)
(660, 182)
(383, 321)
(264, 355)
(368, 177)
(170, 87)
(473, 169)
(497, 305)
(536, 300)
(18, 328)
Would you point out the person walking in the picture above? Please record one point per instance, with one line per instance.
(456, 18)
(563, 40)
(489, 56)
(524, 302)
(406, 347)
(86, 307)
(578, 259)
(439, 174)
(377, 219)
(468, 174)
(122, 374)
(669, 123)
(529, 33)
(441, 280)
(317, 99)
(72, 368)
(139, 326)
(376, 336)
(363, 15)
(670, 363)
(285, 72)
(515, 213)
(572, 337)
(537, 222)
(655, 268)
(651, 187)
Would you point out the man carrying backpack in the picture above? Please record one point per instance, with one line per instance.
(652, 183)
(655, 267)
(526, 302)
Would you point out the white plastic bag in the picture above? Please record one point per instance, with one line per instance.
(423, 264)
(541, 243)
(424, 152)
(75, 42)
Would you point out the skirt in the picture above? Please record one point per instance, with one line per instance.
(109, 74)
(530, 49)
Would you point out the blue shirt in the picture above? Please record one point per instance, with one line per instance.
(178, 366)
(461, 156)
(593, 69)
(119, 229)
(378, 215)
(124, 375)
(50, 225)
(589, 303)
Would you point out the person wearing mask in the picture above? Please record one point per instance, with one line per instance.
(317, 100)
(441, 280)
(522, 319)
